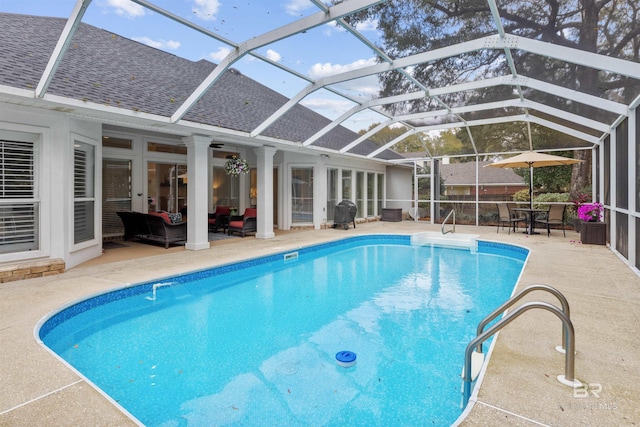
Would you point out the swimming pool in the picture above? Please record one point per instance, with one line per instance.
(254, 343)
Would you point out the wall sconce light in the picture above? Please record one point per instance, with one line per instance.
(324, 156)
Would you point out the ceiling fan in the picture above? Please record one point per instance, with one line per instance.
(215, 145)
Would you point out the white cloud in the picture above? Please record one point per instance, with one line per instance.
(273, 55)
(206, 9)
(328, 69)
(126, 8)
(220, 54)
(368, 25)
(295, 7)
(158, 44)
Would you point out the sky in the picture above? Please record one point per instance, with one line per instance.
(317, 53)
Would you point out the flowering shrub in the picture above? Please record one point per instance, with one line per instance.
(236, 166)
(590, 212)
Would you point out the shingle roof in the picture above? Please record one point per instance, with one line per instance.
(105, 68)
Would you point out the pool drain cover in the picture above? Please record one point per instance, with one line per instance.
(288, 368)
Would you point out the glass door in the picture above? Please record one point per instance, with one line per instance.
(226, 189)
(302, 195)
(116, 194)
(167, 187)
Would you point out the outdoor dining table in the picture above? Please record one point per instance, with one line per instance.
(531, 217)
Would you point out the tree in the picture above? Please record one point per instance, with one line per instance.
(608, 27)
(410, 144)
(445, 143)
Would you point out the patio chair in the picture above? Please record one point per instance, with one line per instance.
(515, 214)
(219, 219)
(243, 224)
(506, 217)
(555, 216)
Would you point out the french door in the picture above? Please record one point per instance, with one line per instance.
(116, 194)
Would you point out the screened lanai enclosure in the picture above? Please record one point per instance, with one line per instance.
(427, 85)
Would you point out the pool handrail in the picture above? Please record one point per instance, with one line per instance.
(511, 301)
(567, 379)
(453, 228)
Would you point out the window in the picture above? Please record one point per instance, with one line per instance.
(346, 185)
(371, 194)
(19, 206)
(156, 147)
(167, 187)
(360, 194)
(226, 189)
(332, 193)
(380, 196)
(83, 192)
(114, 142)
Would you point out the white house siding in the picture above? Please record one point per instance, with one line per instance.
(288, 160)
(399, 187)
(56, 133)
(54, 179)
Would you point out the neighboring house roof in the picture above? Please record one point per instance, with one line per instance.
(105, 68)
(465, 174)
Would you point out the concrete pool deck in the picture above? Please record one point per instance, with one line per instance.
(519, 386)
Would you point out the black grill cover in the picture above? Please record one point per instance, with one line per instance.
(345, 213)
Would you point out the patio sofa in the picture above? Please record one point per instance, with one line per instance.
(153, 227)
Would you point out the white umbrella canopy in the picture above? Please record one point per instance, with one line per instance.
(533, 159)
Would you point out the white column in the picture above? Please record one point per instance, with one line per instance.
(264, 178)
(320, 191)
(613, 182)
(197, 195)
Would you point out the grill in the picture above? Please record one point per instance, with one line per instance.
(345, 213)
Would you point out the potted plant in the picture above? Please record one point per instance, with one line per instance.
(236, 166)
(572, 212)
(592, 230)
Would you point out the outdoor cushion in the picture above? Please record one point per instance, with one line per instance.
(175, 217)
(222, 210)
(163, 215)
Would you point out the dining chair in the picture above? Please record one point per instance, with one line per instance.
(555, 216)
(505, 217)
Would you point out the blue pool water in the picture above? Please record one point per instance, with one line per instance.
(255, 343)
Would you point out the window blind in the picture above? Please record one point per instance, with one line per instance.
(18, 206)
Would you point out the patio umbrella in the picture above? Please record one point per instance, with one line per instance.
(532, 159)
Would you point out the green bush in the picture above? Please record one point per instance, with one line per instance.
(552, 198)
(570, 214)
(521, 196)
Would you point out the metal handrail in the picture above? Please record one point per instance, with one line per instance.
(570, 343)
(453, 230)
(511, 301)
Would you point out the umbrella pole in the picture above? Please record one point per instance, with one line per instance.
(530, 186)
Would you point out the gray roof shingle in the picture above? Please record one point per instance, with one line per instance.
(105, 68)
